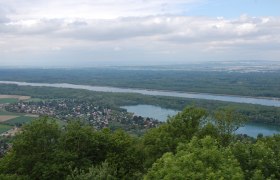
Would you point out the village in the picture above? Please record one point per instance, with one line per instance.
(97, 116)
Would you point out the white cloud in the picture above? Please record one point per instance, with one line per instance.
(92, 9)
(124, 29)
(135, 31)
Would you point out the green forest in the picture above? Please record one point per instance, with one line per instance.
(197, 143)
(265, 84)
(189, 146)
(254, 113)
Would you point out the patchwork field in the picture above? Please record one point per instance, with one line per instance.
(3, 112)
(8, 100)
(5, 128)
(6, 118)
(14, 97)
(10, 120)
(19, 120)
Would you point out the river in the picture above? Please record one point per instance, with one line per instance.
(227, 98)
(251, 129)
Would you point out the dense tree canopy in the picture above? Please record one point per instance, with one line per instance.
(183, 148)
(180, 128)
(260, 160)
(199, 159)
(43, 150)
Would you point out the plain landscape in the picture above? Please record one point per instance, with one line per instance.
(137, 89)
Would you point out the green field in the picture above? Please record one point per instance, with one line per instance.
(4, 112)
(34, 100)
(19, 120)
(8, 100)
(4, 128)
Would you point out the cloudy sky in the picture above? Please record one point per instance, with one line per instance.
(84, 33)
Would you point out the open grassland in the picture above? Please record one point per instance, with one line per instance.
(19, 120)
(8, 122)
(8, 100)
(5, 128)
(3, 112)
(14, 97)
(6, 118)
(32, 115)
(34, 100)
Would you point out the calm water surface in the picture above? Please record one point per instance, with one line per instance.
(155, 112)
(228, 98)
(251, 129)
(161, 114)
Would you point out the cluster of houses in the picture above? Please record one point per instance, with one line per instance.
(97, 116)
(29, 108)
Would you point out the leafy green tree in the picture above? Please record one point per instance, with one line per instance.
(32, 149)
(260, 160)
(102, 172)
(125, 156)
(13, 177)
(209, 129)
(227, 122)
(77, 147)
(166, 137)
(78, 141)
(199, 159)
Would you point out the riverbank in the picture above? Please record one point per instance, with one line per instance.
(254, 113)
(227, 98)
(156, 112)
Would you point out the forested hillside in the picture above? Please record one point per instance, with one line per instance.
(189, 146)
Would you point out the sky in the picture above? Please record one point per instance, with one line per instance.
(85, 33)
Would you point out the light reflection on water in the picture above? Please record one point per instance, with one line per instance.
(251, 129)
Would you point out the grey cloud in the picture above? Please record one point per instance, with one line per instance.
(254, 30)
(3, 19)
(40, 27)
(3, 14)
(178, 34)
(173, 29)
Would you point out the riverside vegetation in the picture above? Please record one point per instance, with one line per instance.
(191, 145)
(254, 113)
(195, 144)
(257, 84)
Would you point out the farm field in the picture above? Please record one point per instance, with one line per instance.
(3, 112)
(19, 120)
(8, 100)
(4, 118)
(4, 128)
(14, 97)
(8, 122)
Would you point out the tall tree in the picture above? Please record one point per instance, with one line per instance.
(260, 160)
(227, 122)
(32, 149)
(199, 159)
(180, 128)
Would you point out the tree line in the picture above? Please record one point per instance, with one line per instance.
(254, 113)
